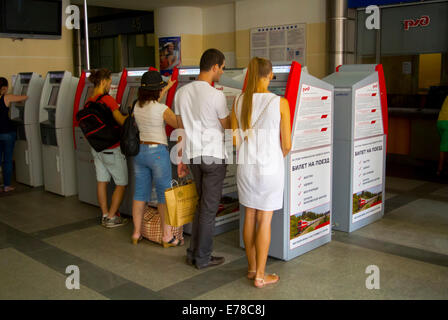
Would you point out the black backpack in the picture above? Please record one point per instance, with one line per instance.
(98, 125)
(130, 137)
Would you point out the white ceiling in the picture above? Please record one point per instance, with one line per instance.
(152, 4)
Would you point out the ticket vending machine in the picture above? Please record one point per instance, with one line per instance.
(360, 136)
(304, 223)
(56, 128)
(85, 167)
(28, 150)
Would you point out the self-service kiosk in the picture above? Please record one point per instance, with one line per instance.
(304, 223)
(360, 136)
(85, 167)
(56, 128)
(28, 150)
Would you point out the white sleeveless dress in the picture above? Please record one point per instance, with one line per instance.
(261, 172)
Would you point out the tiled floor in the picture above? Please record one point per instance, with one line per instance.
(41, 234)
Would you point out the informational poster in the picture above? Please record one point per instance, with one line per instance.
(313, 122)
(310, 195)
(280, 44)
(367, 177)
(368, 113)
(310, 167)
(169, 53)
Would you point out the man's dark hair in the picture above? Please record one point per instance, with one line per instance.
(211, 57)
(3, 82)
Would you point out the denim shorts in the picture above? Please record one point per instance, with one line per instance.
(152, 164)
(111, 163)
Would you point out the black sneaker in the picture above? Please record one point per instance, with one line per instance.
(190, 261)
(214, 261)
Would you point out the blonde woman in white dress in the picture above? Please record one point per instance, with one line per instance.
(263, 139)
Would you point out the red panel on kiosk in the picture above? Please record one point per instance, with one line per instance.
(79, 89)
(292, 88)
(383, 97)
(170, 97)
(122, 85)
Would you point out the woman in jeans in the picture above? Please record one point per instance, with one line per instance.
(7, 133)
(152, 163)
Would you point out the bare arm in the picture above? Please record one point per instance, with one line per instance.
(225, 123)
(285, 126)
(234, 125)
(14, 98)
(170, 118)
(165, 89)
(119, 117)
(182, 169)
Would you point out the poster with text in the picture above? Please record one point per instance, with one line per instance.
(280, 44)
(368, 113)
(169, 54)
(312, 126)
(310, 180)
(367, 177)
(309, 225)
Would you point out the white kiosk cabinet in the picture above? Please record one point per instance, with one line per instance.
(28, 151)
(85, 167)
(304, 223)
(56, 128)
(359, 145)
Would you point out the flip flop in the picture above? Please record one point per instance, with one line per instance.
(262, 283)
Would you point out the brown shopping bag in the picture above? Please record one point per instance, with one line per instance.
(152, 229)
(181, 203)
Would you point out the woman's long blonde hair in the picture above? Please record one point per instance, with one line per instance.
(258, 68)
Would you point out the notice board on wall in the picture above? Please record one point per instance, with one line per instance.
(280, 44)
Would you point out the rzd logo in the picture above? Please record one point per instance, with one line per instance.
(305, 89)
(411, 23)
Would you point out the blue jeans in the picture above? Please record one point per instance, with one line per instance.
(7, 142)
(152, 163)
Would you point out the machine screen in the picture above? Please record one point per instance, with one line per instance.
(24, 90)
(53, 96)
(131, 96)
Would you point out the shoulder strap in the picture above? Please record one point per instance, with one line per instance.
(264, 110)
(101, 97)
(131, 110)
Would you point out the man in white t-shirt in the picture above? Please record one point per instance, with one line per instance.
(202, 111)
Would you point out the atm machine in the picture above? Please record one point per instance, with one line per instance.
(360, 136)
(304, 223)
(28, 150)
(56, 128)
(85, 167)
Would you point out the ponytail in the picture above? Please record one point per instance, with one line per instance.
(258, 68)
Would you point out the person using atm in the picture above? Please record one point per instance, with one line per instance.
(262, 121)
(7, 133)
(202, 111)
(110, 162)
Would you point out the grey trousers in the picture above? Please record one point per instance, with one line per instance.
(209, 180)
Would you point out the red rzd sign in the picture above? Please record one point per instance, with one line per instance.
(411, 23)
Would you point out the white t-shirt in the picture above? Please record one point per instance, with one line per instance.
(201, 107)
(150, 123)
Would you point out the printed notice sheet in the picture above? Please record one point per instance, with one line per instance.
(280, 44)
